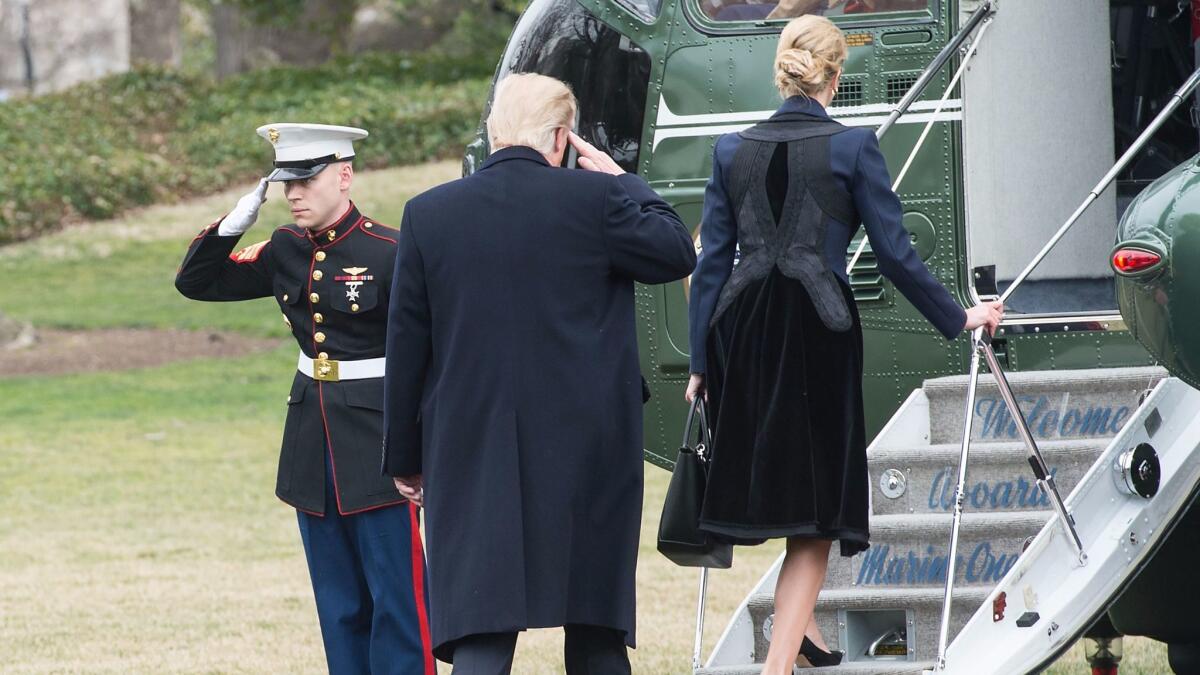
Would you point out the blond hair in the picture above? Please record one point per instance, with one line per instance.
(811, 51)
(528, 109)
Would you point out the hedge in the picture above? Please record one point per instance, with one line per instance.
(158, 135)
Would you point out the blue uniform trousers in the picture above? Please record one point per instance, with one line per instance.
(368, 576)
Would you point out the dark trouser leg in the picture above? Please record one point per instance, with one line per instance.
(484, 654)
(389, 546)
(344, 604)
(595, 650)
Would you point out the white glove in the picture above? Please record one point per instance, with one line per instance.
(245, 213)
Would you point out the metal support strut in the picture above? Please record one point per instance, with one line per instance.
(935, 65)
(981, 346)
(980, 17)
(700, 619)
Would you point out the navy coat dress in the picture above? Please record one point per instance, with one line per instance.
(513, 387)
(782, 358)
(857, 162)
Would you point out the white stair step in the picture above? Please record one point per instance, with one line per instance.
(926, 604)
(880, 668)
(1058, 404)
(909, 550)
(999, 477)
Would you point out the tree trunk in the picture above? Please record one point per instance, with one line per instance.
(154, 32)
(320, 30)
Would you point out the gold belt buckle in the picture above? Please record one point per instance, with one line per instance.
(325, 370)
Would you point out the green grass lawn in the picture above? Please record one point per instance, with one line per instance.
(138, 527)
(121, 273)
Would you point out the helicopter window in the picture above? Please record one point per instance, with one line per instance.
(769, 10)
(647, 9)
(608, 73)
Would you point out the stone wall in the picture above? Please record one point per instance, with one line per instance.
(69, 41)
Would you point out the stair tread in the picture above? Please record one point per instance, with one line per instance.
(971, 520)
(1091, 378)
(987, 448)
(899, 594)
(848, 668)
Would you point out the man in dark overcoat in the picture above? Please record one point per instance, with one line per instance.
(513, 396)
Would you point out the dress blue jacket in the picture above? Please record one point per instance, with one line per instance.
(856, 160)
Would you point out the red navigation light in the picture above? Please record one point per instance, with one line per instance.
(1134, 260)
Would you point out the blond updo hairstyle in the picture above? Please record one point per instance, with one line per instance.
(811, 51)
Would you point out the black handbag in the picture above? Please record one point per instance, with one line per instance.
(679, 535)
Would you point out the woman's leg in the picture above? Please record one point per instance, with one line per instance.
(800, 580)
(814, 633)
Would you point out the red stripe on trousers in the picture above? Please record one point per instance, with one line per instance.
(418, 577)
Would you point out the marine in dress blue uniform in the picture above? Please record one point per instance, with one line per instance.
(331, 281)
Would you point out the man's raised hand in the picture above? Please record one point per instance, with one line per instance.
(592, 158)
(245, 213)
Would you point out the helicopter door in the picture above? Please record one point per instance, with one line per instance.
(1037, 135)
(609, 74)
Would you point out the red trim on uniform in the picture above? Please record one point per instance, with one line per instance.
(418, 577)
(250, 253)
(345, 233)
(372, 508)
(312, 264)
(291, 232)
(329, 444)
(208, 229)
(333, 465)
(378, 236)
(311, 513)
(323, 230)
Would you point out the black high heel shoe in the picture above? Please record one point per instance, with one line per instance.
(818, 657)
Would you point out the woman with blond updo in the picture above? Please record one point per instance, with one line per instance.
(776, 340)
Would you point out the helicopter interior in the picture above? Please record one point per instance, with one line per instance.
(1042, 126)
(609, 74)
(769, 10)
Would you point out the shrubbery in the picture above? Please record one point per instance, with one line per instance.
(155, 135)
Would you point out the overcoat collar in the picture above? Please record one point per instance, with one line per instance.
(513, 152)
(803, 105)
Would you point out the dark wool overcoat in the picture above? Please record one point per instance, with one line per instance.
(513, 387)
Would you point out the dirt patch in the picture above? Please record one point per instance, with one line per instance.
(59, 352)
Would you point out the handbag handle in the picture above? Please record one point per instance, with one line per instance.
(698, 409)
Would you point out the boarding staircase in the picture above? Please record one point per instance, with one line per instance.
(883, 606)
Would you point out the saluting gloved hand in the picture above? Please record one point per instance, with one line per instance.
(245, 213)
